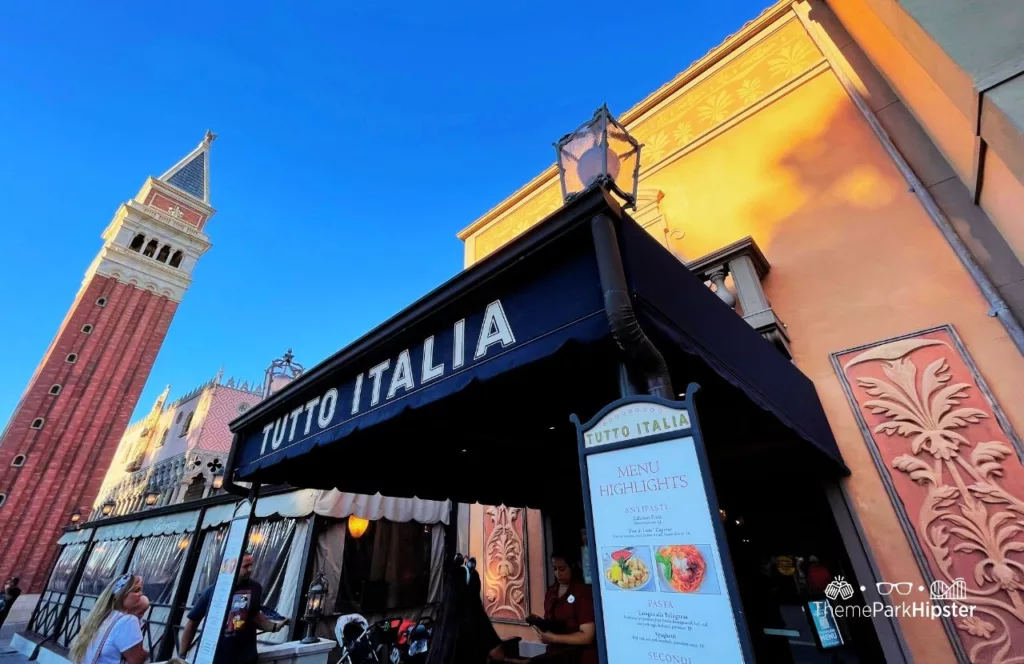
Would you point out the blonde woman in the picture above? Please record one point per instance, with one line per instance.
(112, 632)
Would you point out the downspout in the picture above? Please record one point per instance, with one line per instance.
(618, 307)
(229, 473)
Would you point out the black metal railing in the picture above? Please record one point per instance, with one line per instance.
(46, 615)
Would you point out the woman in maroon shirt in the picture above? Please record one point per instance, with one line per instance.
(569, 614)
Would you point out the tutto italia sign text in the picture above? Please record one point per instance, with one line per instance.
(469, 341)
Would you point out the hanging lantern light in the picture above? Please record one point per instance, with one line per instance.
(599, 153)
(315, 597)
(357, 526)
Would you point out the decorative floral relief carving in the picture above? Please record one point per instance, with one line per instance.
(958, 477)
(505, 575)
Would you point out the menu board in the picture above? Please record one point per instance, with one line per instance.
(660, 577)
(217, 614)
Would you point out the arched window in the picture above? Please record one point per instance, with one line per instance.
(55, 388)
(101, 302)
(180, 415)
(195, 489)
(188, 425)
(176, 259)
(71, 358)
(164, 253)
(150, 249)
(18, 461)
(37, 423)
(137, 241)
(163, 438)
(87, 329)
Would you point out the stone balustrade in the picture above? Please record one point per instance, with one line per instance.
(747, 267)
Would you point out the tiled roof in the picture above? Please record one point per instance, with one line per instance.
(191, 178)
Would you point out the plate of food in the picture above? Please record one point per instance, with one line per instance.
(682, 568)
(626, 569)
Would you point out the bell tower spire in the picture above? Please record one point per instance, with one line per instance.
(191, 175)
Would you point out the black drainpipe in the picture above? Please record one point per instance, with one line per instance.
(626, 329)
(229, 473)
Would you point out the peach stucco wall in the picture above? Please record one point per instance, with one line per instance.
(948, 127)
(855, 259)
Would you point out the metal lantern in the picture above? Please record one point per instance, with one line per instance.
(108, 508)
(76, 516)
(315, 598)
(218, 481)
(599, 153)
(151, 498)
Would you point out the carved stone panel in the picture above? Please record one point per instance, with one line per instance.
(952, 466)
(506, 594)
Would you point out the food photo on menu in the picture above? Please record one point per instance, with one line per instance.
(628, 568)
(686, 568)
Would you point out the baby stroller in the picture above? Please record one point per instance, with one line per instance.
(357, 640)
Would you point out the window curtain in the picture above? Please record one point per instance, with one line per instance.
(291, 586)
(210, 553)
(158, 560)
(269, 543)
(330, 553)
(106, 560)
(389, 567)
(64, 569)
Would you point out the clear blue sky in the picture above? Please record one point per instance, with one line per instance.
(354, 143)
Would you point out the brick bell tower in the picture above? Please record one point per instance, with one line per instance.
(62, 435)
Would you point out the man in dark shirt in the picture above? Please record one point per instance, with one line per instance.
(11, 592)
(238, 638)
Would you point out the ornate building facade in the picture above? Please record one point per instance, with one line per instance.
(65, 429)
(176, 453)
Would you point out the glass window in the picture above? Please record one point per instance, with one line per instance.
(67, 563)
(388, 567)
(106, 560)
(270, 542)
(210, 553)
(158, 561)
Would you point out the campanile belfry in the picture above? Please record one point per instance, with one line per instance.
(60, 439)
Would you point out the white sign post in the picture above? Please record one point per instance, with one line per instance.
(664, 588)
(234, 548)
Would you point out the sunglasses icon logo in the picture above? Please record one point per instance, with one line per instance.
(901, 588)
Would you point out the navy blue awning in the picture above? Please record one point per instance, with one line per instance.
(528, 302)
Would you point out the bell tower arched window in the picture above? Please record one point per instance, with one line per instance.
(176, 259)
(137, 241)
(164, 252)
(150, 249)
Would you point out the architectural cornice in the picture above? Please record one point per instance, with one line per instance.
(182, 231)
(175, 194)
